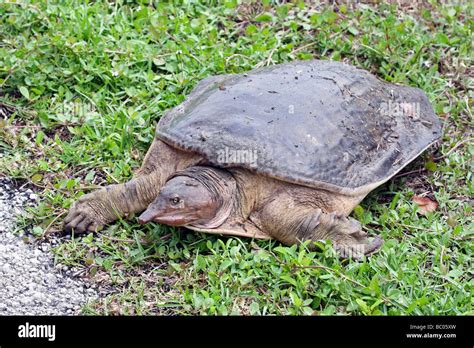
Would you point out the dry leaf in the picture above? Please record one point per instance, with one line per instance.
(425, 204)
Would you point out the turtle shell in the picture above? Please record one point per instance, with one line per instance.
(317, 123)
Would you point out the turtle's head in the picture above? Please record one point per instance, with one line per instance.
(188, 199)
(182, 201)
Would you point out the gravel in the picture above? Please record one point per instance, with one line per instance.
(30, 284)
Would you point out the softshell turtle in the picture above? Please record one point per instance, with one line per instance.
(282, 152)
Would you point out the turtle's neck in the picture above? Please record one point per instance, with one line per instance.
(251, 189)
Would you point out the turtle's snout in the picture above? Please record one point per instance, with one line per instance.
(146, 217)
(155, 211)
(158, 208)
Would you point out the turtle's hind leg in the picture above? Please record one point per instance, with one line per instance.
(291, 223)
(94, 210)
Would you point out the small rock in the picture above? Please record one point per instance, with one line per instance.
(29, 282)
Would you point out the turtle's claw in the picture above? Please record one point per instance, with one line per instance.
(81, 218)
(374, 245)
(358, 251)
(80, 222)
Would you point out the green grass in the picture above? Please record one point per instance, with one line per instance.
(83, 85)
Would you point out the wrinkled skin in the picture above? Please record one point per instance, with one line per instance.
(94, 210)
(172, 188)
(182, 201)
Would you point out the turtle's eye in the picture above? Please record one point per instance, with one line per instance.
(175, 200)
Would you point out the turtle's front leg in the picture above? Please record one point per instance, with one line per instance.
(94, 210)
